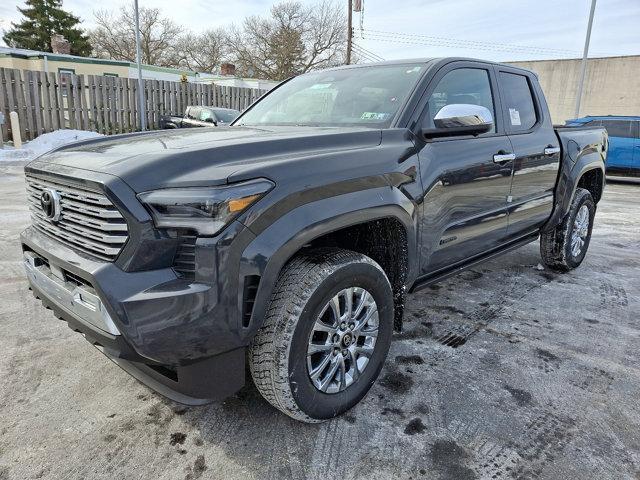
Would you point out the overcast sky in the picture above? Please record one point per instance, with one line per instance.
(490, 29)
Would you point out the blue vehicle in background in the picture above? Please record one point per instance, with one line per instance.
(623, 157)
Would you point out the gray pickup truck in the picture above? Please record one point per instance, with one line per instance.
(289, 239)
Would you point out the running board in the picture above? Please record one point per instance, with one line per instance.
(425, 281)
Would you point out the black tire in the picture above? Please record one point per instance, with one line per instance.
(556, 245)
(278, 353)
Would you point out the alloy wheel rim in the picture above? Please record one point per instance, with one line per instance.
(342, 340)
(580, 231)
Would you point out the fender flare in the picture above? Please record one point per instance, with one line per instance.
(568, 180)
(270, 251)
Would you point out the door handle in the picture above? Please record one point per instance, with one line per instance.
(503, 157)
(551, 150)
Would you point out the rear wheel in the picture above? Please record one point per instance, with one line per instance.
(565, 247)
(326, 334)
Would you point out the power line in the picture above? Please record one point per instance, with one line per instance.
(369, 53)
(419, 39)
(364, 55)
(462, 42)
(449, 44)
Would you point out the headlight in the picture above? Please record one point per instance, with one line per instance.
(206, 210)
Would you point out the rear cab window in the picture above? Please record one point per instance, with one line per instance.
(519, 105)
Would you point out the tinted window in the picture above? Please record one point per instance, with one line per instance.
(618, 128)
(519, 107)
(464, 85)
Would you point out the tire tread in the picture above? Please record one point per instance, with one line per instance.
(268, 354)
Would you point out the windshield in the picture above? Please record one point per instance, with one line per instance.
(368, 96)
(226, 116)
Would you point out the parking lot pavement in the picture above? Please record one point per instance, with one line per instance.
(543, 382)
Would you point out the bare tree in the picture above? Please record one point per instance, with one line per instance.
(202, 52)
(292, 40)
(114, 36)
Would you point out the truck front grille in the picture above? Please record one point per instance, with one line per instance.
(88, 220)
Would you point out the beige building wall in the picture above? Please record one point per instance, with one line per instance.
(612, 86)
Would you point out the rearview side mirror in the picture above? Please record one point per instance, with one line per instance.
(460, 119)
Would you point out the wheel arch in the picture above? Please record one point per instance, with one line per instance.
(587, 172)
(333, 222)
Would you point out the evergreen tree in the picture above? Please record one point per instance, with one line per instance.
(44, 18)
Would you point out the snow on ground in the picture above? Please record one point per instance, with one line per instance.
(43, 144)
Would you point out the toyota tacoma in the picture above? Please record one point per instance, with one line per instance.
(288, 240)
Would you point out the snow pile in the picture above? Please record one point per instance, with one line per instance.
(43, 144)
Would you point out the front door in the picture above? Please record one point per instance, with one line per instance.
(466, 179)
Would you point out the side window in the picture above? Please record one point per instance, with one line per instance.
(464, 85)
(637, 128)
(618, 128)
(520, 110)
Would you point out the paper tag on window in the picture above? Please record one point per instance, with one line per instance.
(515, 116)
(374, 116)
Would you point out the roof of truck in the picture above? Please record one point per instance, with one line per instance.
(430, 60)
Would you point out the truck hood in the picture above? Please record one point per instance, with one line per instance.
(204, 156)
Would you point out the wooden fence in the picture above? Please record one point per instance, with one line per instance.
(105, 104)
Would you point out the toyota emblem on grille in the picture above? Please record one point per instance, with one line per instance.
(50, 203)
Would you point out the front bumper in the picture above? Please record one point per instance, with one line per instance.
(143, 321)
(77, 297)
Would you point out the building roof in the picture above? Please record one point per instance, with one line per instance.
(35, 54)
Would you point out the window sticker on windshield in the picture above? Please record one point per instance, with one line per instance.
(414, 70)
(319, 86)
(374, 116)
(515, 116)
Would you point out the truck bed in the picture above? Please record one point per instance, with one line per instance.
(578, 141)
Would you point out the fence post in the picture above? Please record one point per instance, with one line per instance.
(15, 129)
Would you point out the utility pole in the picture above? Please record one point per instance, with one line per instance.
(585, 54)
(141, 107)
(349, 31)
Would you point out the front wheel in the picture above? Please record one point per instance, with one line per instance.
(565, 247)
(325, 336)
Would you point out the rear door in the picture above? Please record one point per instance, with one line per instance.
(620, 157)
(636, 150)
(536, 148)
